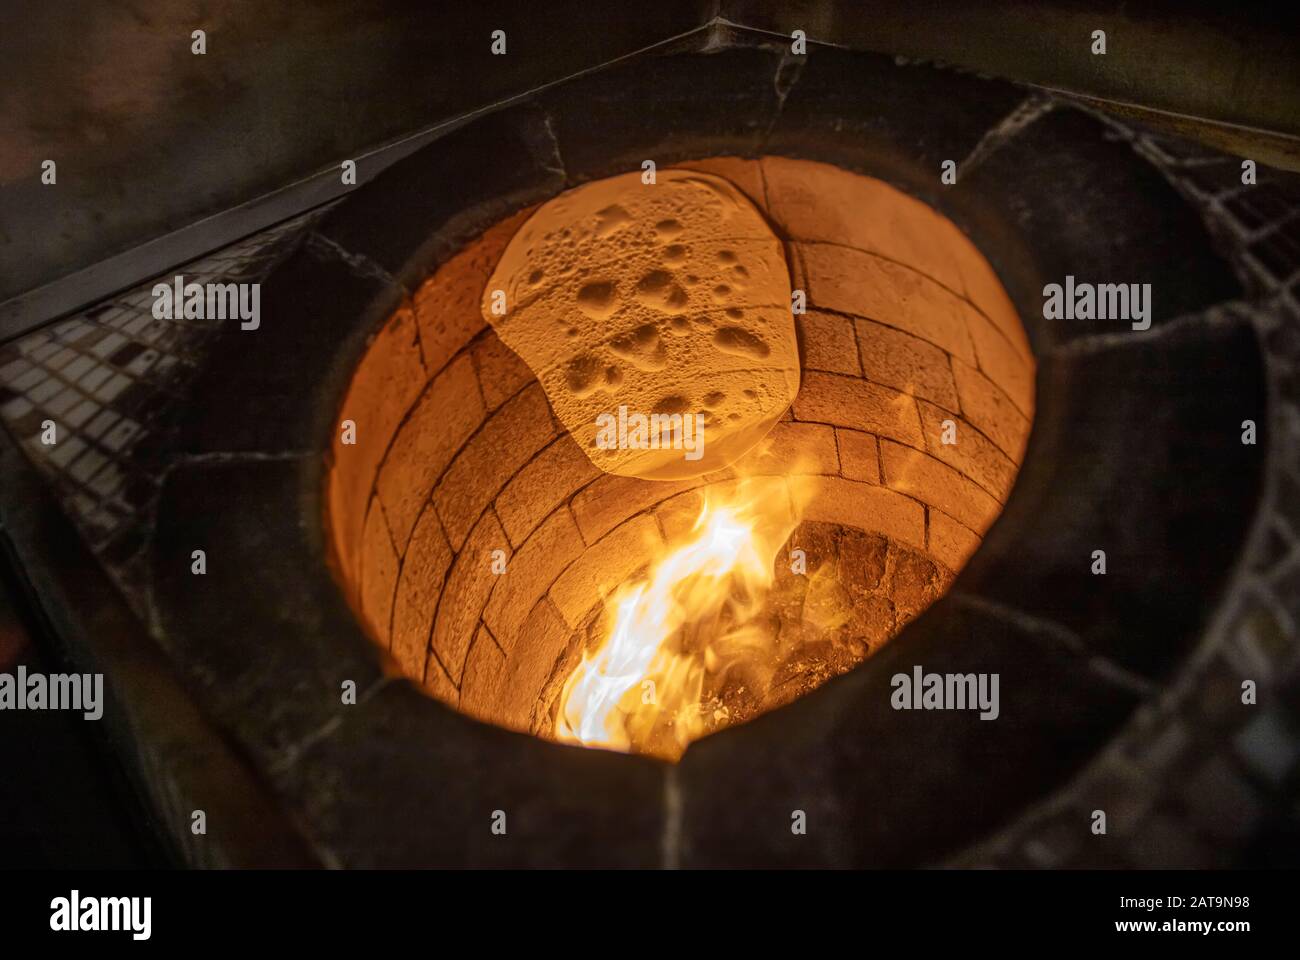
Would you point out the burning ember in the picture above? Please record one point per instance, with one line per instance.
(694, 615)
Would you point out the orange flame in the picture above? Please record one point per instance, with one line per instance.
(690, 615)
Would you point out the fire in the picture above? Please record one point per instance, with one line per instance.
(694, 612)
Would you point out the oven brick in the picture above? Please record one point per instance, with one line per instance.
(906, 363)
(858, 405)
(543, 557)
(447, 305)
(867, 507)
(482, 690)
(973, 455)
(991, 410)
(603, 566)
(386, 383)
(529, 663)
(792, 448)
(985, 290)
(420, 581)
(445, 330)
(443, 419)
(859, 455)
(609, 500)
(469, 585)
(860, 284)
(1002, 364)
(545, 482)
(743, 174)
(509, 439)
(378, 573)
(951, 543)
(437, 684)
(925, 478)
(828, 343)
(798, 275)
(817, 202)
(501, 373)
(677, 515)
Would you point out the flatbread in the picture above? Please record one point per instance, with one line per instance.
(632, 300)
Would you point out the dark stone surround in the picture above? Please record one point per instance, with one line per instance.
(1135, 450)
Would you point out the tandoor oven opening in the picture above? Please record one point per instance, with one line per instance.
(674, 448)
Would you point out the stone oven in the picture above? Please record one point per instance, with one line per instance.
(407, 555)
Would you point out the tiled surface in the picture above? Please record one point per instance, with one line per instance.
(108, 378)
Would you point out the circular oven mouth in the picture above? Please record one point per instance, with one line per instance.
(521, 574)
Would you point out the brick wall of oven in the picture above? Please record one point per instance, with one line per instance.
(459, 455)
